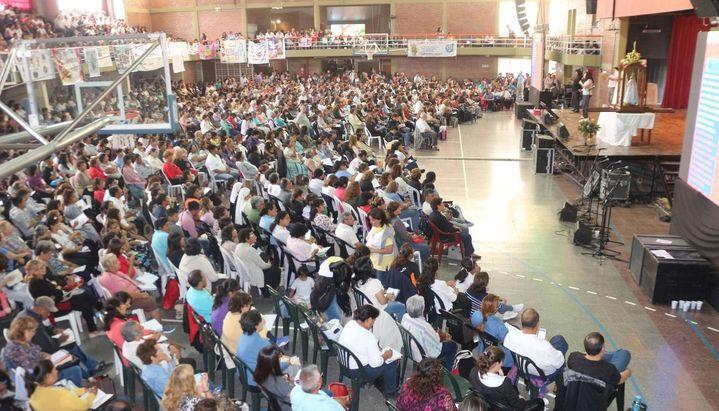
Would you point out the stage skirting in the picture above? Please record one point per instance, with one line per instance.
(617, 129)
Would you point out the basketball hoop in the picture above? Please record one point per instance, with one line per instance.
(370, 44)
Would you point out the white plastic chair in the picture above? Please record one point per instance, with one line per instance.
(182, 279)
(174, 190)
(75, 320)
(228, 262)
(370, 138)
(416, 196)
(363, 220)
(243, 274)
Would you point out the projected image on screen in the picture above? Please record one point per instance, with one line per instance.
(704, 161)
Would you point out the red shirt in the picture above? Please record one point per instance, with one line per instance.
(96, 172)
(172, 171)
(99, 195)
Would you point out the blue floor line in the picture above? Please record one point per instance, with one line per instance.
(701, 336)
(584, 308)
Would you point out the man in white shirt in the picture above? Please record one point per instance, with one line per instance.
(346, 232)
(612, 84)
(216, 166)
(359, 339)
(547, 355)
(317, 182)
(425, 131)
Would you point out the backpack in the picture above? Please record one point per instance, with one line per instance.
(172, 294)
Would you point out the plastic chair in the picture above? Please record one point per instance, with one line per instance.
(298, 320)
(457, 326)
(360, 298)
(127, 379)
(320, 343)
(243, 370)
(174, 190)
(496, 405)
(276, 201)
(523, 363)
(344, 357)
(364, 221)
(75, 320)
(371, 138)
(390, 406)
(407, 351)
(149, 399)
(440, 239)
(277, 303)
(457, 386)
(416, 196)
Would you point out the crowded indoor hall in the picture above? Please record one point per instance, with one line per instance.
(295, 206)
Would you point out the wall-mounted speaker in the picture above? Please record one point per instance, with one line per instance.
(706, 8)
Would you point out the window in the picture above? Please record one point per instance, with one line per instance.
(347, 29)
(85, 5)
(514, 65)
(508, 17)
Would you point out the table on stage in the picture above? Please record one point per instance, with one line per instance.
(617, 129)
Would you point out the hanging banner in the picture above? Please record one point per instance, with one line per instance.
(123, 57)
(151, 62)
(67, 63)
(178, 65)
(93, 67)
(257, 53)
(431, 48)
(207, 51)
(180, 48)
(305, 42)
(40, 64)
(233, 51)
(276, 48)
(193, 49)
(104, 60)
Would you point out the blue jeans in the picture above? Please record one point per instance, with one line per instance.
(561, 345)
(87, 363)
(334, 312)
(389, 373)
(73, 374)
(395, 309)
(467, 242)
(585, 105)
(619, 358)
(423, 249)
(406, 136)
(413, 216)
(381, 276)
(449, 351)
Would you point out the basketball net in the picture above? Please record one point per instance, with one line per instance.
(370, 48)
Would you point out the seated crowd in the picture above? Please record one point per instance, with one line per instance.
(270, 190)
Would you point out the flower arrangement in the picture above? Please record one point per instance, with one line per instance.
(588, 128)
(631, 57)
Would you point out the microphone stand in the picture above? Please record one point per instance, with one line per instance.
(602, 251)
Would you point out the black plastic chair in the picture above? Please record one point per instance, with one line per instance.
(523, 363)
(457, 325)
(390, 406)
(344, 246)
(345, 357)
(457, 386)
(293, 263)
(243, 370)
(360, 298)
(149, 399)
(128, 377)
(320, 343)
(330, 205)
(209, 354)
(277, 303)
(297, 320)
(407, 352)
(494, 405)
(274, 403)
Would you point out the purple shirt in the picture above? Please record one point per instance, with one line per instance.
(188, 223)
(218, 316)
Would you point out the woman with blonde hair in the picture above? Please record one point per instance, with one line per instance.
(183, 392)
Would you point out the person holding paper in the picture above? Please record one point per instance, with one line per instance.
(113, 280)
(44, 395)
(156, 366)
(52, 339)
(20, 351)
(380, 241)
(358, 338)
(373, 289)
(116, 317)
(251, 342)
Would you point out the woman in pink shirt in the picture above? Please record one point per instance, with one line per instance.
(113, 280)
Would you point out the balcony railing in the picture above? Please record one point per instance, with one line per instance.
(586, 45)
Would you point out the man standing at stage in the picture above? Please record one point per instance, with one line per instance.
(576, 86)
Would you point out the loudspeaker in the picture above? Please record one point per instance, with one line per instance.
(563, 132)
(549, 119)
(706, 8)
(529, 128)
(544, 141)
(616, 184)
(568, 213)
(583, 234)
(544, 157)
(521, 7)
(591, 6)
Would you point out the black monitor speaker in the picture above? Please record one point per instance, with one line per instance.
(563, 132)
(591, 6)
(706, 8)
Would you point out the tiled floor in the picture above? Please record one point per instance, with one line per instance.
(531, 260)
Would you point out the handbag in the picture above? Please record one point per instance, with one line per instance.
(338, 389)
(172, 294)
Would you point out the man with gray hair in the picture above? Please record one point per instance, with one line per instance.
(253, 209)
(345, 231)
(437, 344)
(132, 332)
(308, 396)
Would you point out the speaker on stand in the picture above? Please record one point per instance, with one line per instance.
(544, 155)
(522, 18)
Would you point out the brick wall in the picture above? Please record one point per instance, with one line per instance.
(418, 18)
(215, 23)
(177, 24)
(475, 17)
(157, 4)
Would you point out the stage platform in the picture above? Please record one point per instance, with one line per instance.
(666, 143)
